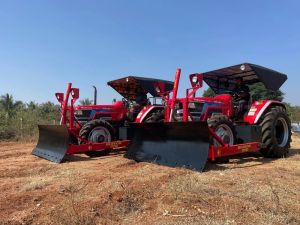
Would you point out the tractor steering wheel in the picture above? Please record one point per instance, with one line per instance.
(125, 102)
(227, 92)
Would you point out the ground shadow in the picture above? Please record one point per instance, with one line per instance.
(243, 160)
(238, 161)
(82, 157)
(294, 151)
(76, 158)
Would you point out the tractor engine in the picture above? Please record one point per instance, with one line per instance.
(112, 113)
(200, 109)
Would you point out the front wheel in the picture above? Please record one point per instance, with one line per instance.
(224, 128)
(97, 131)
(276, 133)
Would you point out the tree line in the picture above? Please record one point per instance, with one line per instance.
(19, 120)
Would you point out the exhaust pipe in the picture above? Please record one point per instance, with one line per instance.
(95, 95)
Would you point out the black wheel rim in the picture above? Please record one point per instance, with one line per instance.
(99, 134)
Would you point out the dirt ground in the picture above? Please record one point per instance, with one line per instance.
(115, 190)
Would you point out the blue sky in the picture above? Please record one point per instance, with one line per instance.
(45, 44)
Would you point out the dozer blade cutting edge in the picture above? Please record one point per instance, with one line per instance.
(175, 144)
(53, 142)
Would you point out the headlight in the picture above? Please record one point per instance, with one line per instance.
(157, 89)
(195, 79)
(78, 113)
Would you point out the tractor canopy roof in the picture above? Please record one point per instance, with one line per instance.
(225, 78)
(131, 87)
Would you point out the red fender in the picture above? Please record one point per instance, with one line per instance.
(258, 108)
(145, 111)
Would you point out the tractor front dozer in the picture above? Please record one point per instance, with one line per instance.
(53, 142)
(175, 144)
(57, 141)
(172, 144)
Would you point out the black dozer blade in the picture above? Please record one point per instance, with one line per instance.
(53, 142)
(174, 144)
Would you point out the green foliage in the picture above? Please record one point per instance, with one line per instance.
(294, 112)
(9, 106)
(209, 93)
(86, 101)
(19, 120)
(32, 105)
(259, 92)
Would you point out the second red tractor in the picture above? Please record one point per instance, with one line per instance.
(97, 129)
(192, 129)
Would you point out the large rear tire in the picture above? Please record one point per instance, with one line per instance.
(276, 133)
(97, 131)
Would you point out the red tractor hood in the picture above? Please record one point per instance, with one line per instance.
(118, 104)
(131, 87)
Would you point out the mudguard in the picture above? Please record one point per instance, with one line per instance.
(258, 108)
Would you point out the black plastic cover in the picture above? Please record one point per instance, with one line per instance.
(175, 144)
(248, 133)
(223, 79)
(130, 87)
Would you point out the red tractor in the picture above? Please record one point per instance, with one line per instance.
(96, 129)
(191, 130)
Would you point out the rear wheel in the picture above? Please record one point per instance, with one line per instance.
(97, 131)
(276, 133)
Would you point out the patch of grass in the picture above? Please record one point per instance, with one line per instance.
(128, 202)
(35, 183)
(232, 198)
(70, 212)
(64, 215)
(190, 183)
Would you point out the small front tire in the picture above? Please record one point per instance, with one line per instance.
(224, 128)
(97, 131)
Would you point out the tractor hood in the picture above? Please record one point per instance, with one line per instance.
(130, 87)
(224, 79)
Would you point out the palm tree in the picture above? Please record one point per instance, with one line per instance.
(9, 105)
(86, 101)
